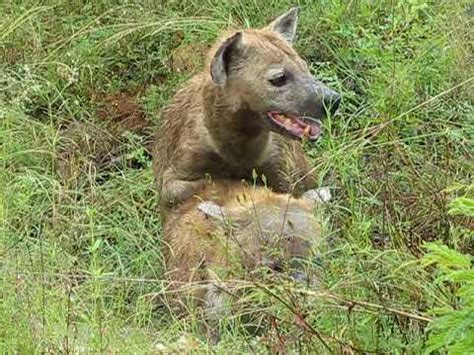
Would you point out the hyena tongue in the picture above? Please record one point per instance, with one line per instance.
(300, 127)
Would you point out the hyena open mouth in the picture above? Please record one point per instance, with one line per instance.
(302, 127)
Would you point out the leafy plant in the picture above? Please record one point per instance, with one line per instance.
(453, 329)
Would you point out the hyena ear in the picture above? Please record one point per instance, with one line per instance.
(285, 25)
(318, 196)
(212, 210)
(221, 60)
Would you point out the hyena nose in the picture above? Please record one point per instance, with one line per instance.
(331, 101)
(325, 99)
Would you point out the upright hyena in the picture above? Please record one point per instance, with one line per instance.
(237, 116)
(229, 228)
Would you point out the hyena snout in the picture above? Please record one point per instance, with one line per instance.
(331, 100)
(321, 100)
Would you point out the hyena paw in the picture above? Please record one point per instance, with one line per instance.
(320, 195)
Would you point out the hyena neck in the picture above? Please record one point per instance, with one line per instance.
(239, 134)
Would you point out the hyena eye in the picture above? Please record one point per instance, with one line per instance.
(279, 80)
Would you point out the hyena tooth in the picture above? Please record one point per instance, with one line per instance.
(307, 130)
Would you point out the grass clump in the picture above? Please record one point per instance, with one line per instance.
(80, 254)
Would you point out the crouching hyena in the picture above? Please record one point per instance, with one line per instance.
(248, 109)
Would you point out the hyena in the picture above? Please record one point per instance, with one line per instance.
(228, 228)
(246, 112)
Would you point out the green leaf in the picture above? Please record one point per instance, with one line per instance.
(456, 327)
(445, 257)
(463, 206)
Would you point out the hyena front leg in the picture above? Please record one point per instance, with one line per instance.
(175, 190)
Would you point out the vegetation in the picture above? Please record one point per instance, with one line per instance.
(80, 256)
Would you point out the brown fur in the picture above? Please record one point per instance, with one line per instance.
(261, 228)
(209, 129)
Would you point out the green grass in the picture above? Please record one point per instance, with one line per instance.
(80, 254)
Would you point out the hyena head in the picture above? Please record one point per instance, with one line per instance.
(261, 71)
(271, 230)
